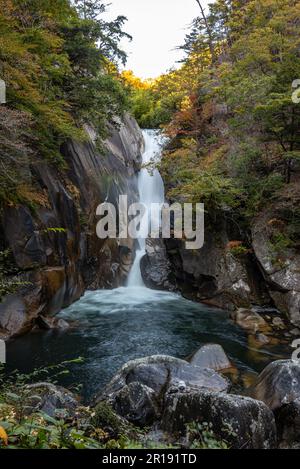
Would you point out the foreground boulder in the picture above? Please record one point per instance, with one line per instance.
(278, 384)
(242, 422)
(137, 391)
(211, 356)
(288, 425)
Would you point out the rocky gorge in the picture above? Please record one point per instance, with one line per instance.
(173, 401)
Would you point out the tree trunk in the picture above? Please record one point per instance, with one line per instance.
(209, 33)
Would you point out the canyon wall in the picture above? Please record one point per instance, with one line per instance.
(53, 241)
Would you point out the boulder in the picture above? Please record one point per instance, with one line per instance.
(211, 356)
(137, 404)
(138, 389)
(288, 425)
(156, 268)
(278, 384)
(50, 399)
(249, 320)
(242, 422)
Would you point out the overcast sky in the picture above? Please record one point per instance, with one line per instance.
(157, 27)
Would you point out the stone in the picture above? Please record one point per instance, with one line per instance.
(278, 384)
(242, 422)
(211, 356)
(288, 425)
(249, 320)
(148, 379)
(137, 404)
(278, 322)
(263, 339)
(52, 323)
(50, 399)
(156, 268)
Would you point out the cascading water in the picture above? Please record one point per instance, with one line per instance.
(151, 190)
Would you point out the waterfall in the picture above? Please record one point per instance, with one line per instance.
(151, 190)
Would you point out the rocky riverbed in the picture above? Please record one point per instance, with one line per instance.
(170, 400)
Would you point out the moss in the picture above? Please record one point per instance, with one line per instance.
(106, 419)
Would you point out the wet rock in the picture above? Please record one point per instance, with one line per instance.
(52, 323)
(44, 323)
(250, 321)
(156, 268)
(211, 356)
(213, 274)
(13, 317)
(137, 404)
(152, 377)
(62, 324)
(242, 422)
(262, 339)
(295, 332)
(288, 425)
(52, 400)
(278, 384)
(278, 322)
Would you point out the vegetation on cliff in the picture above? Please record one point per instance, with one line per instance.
(60, 65)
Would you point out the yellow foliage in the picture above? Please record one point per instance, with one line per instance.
(3, 436)
(136, 82)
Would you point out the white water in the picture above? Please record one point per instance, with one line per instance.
(151, 190)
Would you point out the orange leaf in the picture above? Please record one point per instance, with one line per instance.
(3, 436)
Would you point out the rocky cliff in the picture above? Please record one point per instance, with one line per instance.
(53, 240)
(233, 269)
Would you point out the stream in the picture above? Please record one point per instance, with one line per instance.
(110, 327)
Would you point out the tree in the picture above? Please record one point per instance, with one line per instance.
(107, 34)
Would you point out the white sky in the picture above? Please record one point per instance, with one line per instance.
(157, 27)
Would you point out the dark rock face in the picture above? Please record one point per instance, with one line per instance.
(211, 356)
(243, 422)
(156, 268)
(288, 425)
(214, 275)
(50, 399)
(56, 267)
(278, 384)
(137, 391)
(283, 278)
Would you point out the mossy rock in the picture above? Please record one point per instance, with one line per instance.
(106, 419)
